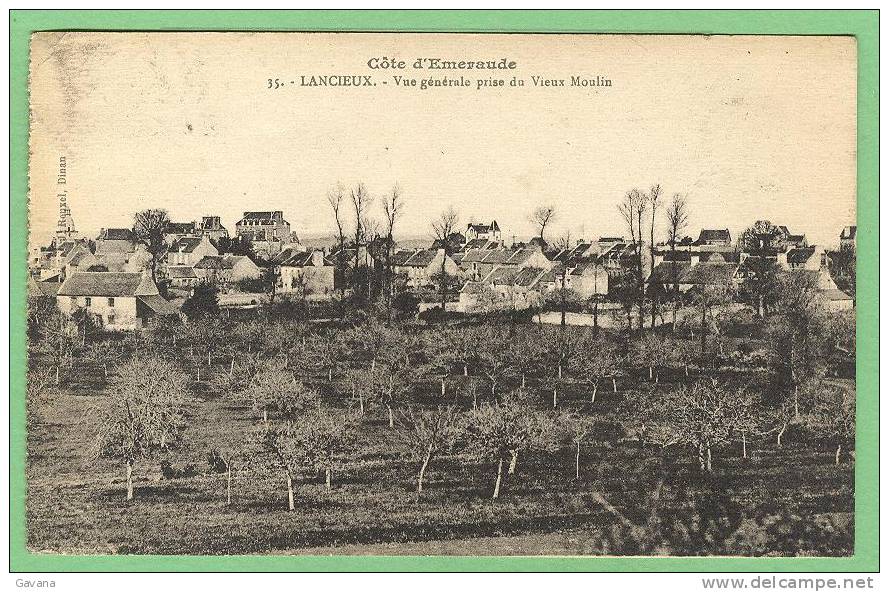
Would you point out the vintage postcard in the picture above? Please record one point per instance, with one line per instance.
(441, 294)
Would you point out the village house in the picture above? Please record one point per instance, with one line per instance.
(225, 270)
(714, 237)
(189, 250)
(118, 301)
(421, 265)
(115, 241)
(485, 231)
(308, 273)
(268, 232)
(182, 276)
(212, 228)
(176, 230)
(478, 263)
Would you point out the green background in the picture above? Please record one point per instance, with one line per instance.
(864, 25)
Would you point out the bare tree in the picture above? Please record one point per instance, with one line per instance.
(393, 207)
(150, 227)
(336, 198)
(654, 196)
(632, 209)
(677, 220)
(541, 217)
(580, 429)
(443, 227)
(361, 201)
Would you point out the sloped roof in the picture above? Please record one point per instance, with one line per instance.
(717, 234)
(185, 244)
(663, 272)
(709, 274)
(262, 215)
(302, 259)
(107, 283)
(180, 227)
(502, 276)
(421, 258)
(800, 256)
(122, 234)
(158, 304)
(181, 271)
(480, 243)
(528, 276)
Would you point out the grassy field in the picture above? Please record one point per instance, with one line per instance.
(78, 506)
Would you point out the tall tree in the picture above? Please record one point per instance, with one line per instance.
(654, 196)
(336, 198)
(393, 207)
(150, 227)
(762, 242)
(677, 221)
(361, 201)
(443, 227)
(632, 209)
(541, 217)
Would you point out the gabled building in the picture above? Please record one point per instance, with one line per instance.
(714, 237)
(116, 241)
(226, 269)
(421, 265)
(309, 273)
(118, 301)
(189, 250)
(269, 232)
(486, 231)
(212, 228)
(176, 230)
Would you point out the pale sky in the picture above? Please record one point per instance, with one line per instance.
(747, 127)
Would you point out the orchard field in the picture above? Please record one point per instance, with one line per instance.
(265, 432)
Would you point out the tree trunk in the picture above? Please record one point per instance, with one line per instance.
(465, 370)
(290, 504)
(595, 388)
(330, 375)
(781, 433)
(703, 330)
(513, 461)
(701, 461)
(796, 401)
(614, 384)
(129, 480)
(577, 462)
(836, 458)
(57, 373)
(560, 371)
(555, 398)
(650, 373)
(709, 459)
(499, 477)
(442, 387)
(391, 416)
(422, 474)
(265, 415)
(327, 477)
(231, 368)
(523, 380)
(744, 445)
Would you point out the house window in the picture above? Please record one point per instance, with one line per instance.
(111, 302)
(89, 301)
(110, 319)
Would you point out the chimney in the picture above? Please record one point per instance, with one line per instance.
(317, 258)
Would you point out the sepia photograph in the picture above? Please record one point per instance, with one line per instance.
(441, 294)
